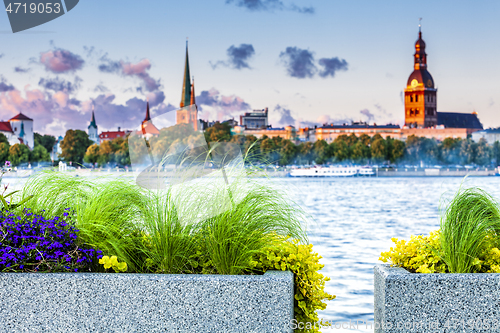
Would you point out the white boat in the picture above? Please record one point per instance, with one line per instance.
(335, 171)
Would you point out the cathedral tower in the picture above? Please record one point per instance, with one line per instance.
(420, 92)
(188, 113)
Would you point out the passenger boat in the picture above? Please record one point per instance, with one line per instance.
(334, 171)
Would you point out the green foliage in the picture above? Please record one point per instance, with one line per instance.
(4, 151)
(39, 153)
(467, 242)
(421, 254)
(106, 211)
(47, 141)
(74, 145)
(19, 153)
(218, 132)
(471, 216)
(287, 254)
(108, 151)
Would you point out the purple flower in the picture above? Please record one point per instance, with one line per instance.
(7, 164)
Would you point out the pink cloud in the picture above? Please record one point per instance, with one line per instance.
(61, 61)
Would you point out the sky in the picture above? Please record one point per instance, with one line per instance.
(309, 61)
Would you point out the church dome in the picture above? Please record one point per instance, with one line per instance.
(420, 77)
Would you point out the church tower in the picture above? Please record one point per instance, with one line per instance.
(92, 129)
(188, 113)
(420, 92)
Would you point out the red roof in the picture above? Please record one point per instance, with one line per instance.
(5, 126)
(112, 135)
(20, 116)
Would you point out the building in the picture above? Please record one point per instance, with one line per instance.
(421, 115)
(420, 93)
(111, 135)
(188, 112)
(257, 119)
(330, 132)
(19, 129)
(92, 129)
(491, 135)
(287, 132)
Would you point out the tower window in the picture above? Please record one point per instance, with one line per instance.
(416, 98)
(416, 112)
(411, 98)
(411, 112)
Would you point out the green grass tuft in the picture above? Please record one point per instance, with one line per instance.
(471, 216)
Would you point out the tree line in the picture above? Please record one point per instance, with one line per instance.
(78, 148)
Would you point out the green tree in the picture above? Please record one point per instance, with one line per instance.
(398, 150)
(4, 151)
(449, 151)
(74, 145)
(305, 150)
(340, 147)
(378, 150)
(360, 152)
(495, 152)
(483, 153)
(19, 153)
(365, 139)
(39, 153)
(268, 149)
(92, 154)
(321, 151)
(218, 132)
(288, 152)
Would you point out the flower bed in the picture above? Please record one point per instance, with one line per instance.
(115, 226)
(408, 298)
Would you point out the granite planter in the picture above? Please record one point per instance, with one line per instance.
(411, 302)
(93, 302)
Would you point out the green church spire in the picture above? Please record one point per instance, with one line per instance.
(186, 84)
(92, 121)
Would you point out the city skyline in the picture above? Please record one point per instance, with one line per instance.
(309, 62)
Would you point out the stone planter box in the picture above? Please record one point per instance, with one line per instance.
(94, 302)
(411, 302)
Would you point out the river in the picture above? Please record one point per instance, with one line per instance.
(354, 220)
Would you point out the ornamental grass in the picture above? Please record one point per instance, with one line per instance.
(468, 240)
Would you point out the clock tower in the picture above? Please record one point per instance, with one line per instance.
(420, 92)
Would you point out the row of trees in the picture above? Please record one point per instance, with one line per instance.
(78, 148)
(364, 149)
(20, 153)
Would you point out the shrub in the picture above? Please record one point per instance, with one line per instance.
(418, 255)
(287, 254)
(31, 243)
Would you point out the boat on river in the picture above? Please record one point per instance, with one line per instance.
(333, 171)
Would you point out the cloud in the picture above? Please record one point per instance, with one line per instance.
(139, 70)
(89, 51)
(57, 84)
(61, 61)
(323, 120)
(213, 105)
(21, 70)
(331, 65)
(270, 5)
(370, 116)
(1, 55)
(4, 86)
(299, 63)
(101, 88)
(285, 116)
(155, 98)
(238, 57)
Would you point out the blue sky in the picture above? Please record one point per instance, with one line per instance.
(309, 61)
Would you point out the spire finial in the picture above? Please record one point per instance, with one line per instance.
(420, 27)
